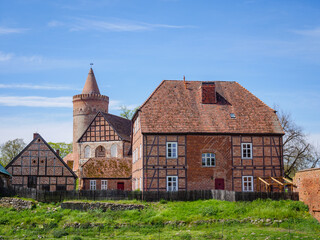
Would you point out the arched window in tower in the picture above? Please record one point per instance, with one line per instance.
(100, 151)
(87, 152)
(114, 150)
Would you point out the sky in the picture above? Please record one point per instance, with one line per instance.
(270, 47)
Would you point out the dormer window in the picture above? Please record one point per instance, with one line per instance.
(232, 115)
(208, 93)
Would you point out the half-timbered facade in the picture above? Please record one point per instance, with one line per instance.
(39, 166)
(204, 135)
(105, 153)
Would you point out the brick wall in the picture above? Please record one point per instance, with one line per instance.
(137, 147)
(203, 177)
(112, 184)
(308, 186)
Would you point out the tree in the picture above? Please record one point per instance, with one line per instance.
(296, 149)
(127, 113)
(10, 149)
(64, 148)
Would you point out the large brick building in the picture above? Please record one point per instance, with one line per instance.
(101, 142)
(308, 185)
(39, 166)
(204, 135)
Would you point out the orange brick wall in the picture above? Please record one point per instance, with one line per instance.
(112, 184)
(200, 177)
(137, 140)
(308, 186)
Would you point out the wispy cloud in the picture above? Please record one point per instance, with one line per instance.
(36, 101)
(36, 87)
(10, 62)
(5, 56)
(5, 30)
(85, 24)
(58, 102)
(315, 32)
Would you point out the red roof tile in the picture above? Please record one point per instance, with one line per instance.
(172, 108)
(107, 168)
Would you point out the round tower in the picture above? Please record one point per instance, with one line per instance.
(85, 107)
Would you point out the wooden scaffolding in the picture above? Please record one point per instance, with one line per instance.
(274, 184)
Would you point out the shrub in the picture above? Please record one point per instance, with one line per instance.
(59, 233)
(162, 201)
(77, 238)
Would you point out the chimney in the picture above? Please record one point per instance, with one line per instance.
(58, 152)
(208, 93)
(35, 135)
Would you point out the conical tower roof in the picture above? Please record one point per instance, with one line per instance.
(91, 86)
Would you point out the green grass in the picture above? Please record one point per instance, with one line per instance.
(169, 220)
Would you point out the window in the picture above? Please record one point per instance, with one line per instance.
(232, 115)
(136, 125)
(114, 150)
(172, 183)
(140, 151)
(172, 149)
(87, 152)
(247, 183)
(104, 184)
(208, 159)
(100, 151)
(32, 181)
(140, 183)
(61, 188)
(137, 182)
(93, 185)
(46, 187)
(246, 150)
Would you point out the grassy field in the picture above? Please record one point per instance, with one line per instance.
(210, 219)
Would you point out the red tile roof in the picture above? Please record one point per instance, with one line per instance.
(173, 108)
(91, 86)
(107, 168)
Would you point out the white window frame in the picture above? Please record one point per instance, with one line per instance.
(174, 179)
(247, 179)
(205, 157)
(140, 184)
(114, 150)
(167, 149)
(136, 184)
(87, 151)
(93, 185)
(140, 151)
(244, 150)
(104, 184)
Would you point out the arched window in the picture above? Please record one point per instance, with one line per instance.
(100, 151)
(87, 151)
(114, 150)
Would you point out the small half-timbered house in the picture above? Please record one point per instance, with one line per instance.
(191, 135)
(39, 166)
(105, 153)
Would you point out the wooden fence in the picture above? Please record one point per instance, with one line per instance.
(58, 196)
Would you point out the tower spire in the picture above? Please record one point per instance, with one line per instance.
(91, 86)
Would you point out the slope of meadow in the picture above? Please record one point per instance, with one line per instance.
(210, 219)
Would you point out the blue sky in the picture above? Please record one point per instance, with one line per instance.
(272, 48)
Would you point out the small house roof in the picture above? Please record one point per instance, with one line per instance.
(99, 167)
(4, 171)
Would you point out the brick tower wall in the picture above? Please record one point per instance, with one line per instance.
(85, 108)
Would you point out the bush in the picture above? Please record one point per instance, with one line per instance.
(77, 238)
(59, 233)
(162, 201)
